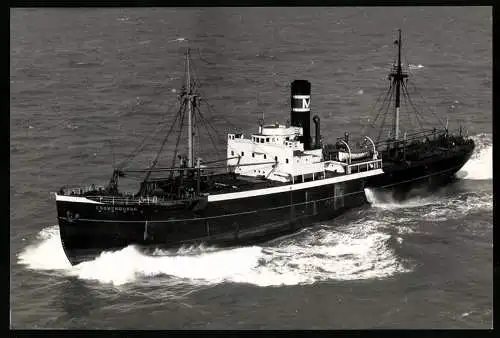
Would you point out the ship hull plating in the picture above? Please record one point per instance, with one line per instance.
(431, 173)
(88, 229)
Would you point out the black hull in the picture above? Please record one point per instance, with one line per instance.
(430, 173)
(88, 229)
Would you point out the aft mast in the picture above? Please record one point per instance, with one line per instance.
(190, 112)
(397, 77)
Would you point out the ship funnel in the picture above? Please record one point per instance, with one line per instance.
(301, 111)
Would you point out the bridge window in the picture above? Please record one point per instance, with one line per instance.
(276, 158)
(242, 154)
(265, 156)
(262, 140)
(287, 138)
(253, 154)
(286, 161)
(232, 153)
(267, 139)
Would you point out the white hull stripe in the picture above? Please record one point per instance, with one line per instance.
(75, 199)
(300, 97)
(292, 187)
(301, 109)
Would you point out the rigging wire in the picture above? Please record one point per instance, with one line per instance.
(155, 161)
(162, 125)
(405, 91)
(182, 111)
(202, 99)
(220, 138)
(371, 111)
(202, 119)
(372, 124)
(388, 96)
(217, 134)
(425, 102)
(385, 115)
(410, 125)
(211, 109)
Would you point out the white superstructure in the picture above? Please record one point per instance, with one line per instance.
(278, 155)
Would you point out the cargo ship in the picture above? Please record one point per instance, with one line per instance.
(271, 183)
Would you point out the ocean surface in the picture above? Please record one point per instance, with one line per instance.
(88, 85)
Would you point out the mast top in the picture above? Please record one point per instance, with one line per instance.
(397, 72)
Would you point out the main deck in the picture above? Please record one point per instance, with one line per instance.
(211, 184)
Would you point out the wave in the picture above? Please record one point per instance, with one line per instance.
(181, 39)
(383, 199)
(359, 251)
(461, 205)
(437, 207)
(480, 165)
(414, 67)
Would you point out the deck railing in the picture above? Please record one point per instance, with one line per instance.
(146, 200)
(363, 166)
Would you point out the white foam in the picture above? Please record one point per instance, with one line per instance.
(413, 67)
(461, 205)
(480, 165)
(384, 200)
(47, 253)
(359, 252)
(178, 40)
(437, 207)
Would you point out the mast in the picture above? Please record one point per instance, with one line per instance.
(190, 113)
(397, 76)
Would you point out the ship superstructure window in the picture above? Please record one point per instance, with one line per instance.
(253, 154)
(286, 161)
(276, 158)
(265, 156)
(242, 154)
(262, 140)
(232, 152)
(267, 139)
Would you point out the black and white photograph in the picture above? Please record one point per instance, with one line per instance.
(253, 168)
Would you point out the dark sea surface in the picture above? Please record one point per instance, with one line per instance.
(90, 83)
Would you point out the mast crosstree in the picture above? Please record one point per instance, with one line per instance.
(397, 75)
